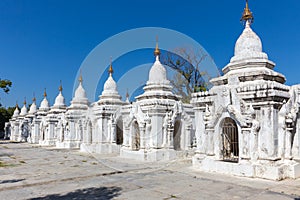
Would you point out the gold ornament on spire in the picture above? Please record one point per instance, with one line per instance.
(45, 93)
(33, 99)
(60, 88)
(247, 14)
(80, 78)
(24, 101)
(156, 51)
(17, 106)
(110, 70)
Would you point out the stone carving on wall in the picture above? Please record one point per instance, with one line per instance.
(209, 120)
(136, 113)
(291, 116)
(225, 92)
(234, 112)
(246, 116)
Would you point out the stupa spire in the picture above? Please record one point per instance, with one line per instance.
(127, 96)
(156, 51)
(45, 93)
(80, 78)
(16, 112)
(60, 88)
(33, 99)
(247, 15)
(110, 70)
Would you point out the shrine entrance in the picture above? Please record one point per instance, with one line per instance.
(90, 132)
(230, 140)
(177, 135)
(136, 136)
(119, 132)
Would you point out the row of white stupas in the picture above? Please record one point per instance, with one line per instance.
(247, 124)
(151, 128)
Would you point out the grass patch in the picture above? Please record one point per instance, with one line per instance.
(5, 147)
(22, 161)
(94, 163)
(84, 160)
(3, 164)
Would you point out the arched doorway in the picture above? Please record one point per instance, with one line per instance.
(230, 140)
(43, 132)
(136, 136)
(119, 132)
(62, 132)
(177, 135)
(90, 132)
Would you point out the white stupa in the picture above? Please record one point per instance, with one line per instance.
(79, 101)
(24, 109)
(157, 86)
(59, 104)
(248, 52)
(33, 108)
(110, 94)
(44, 106)
(16, 112)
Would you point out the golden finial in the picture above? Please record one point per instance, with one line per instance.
(156, 51)
(17, 106)
(60, 88)
(247, 14)
(80, 78)
(110, 70)
(45, 93)
(24, 101)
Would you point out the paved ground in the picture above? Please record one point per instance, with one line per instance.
(32, 172)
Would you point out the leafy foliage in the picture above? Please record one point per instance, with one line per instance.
(5, 85)
(5, 115)
(189, 77)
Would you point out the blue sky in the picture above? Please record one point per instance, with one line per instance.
(45, 41)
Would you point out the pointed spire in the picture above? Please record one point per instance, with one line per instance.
(24, 101)
(16, 112)
(156, 51)
(60, 88)
(127, 96)
(32, 108)
(110, 70)
(247, 15)
(80, 78)
(34, 99)
(45, 93)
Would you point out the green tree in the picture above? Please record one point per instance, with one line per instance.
(5, 115)
(5, 85)
(190, 75)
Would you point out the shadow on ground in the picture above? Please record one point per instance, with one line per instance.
(11, 181)
(88, 193)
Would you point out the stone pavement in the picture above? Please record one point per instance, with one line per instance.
(31, 172)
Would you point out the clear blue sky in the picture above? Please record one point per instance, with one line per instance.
(45, 41)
